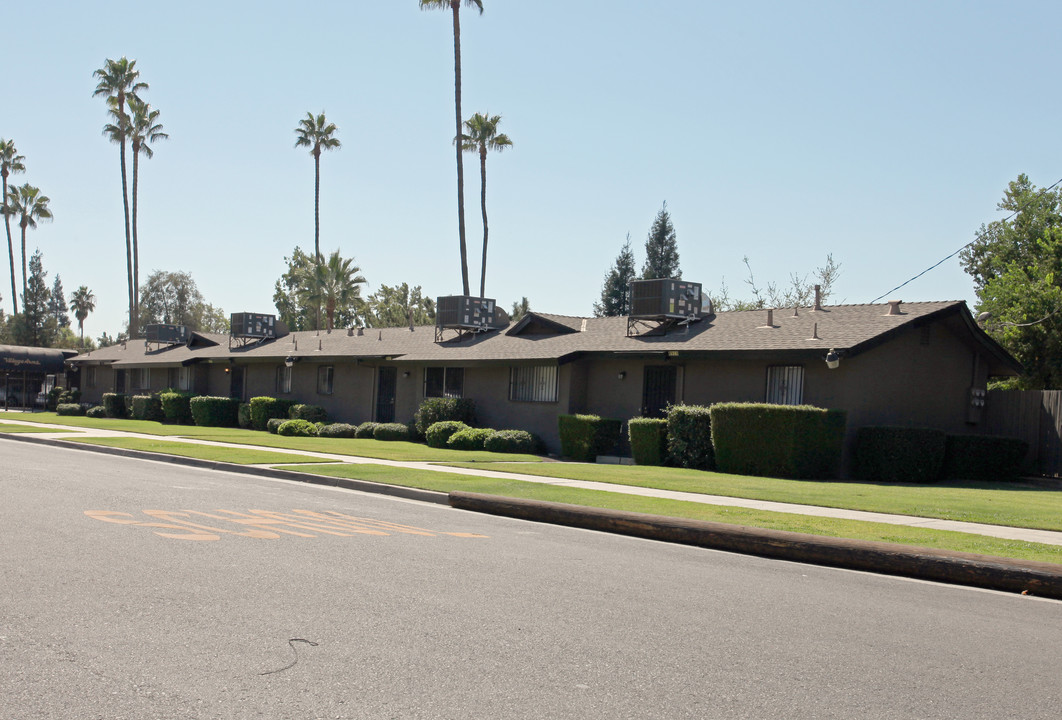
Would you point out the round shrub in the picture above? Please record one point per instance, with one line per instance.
(435, 410)
(366, 431)
(337, 430)
(297, 428)
(439, 433)
(313, 413)
(97, 412)
(69, 409)
(391, 431)
(273, 424)
(264, 408)
(511, 441)
(469, 439)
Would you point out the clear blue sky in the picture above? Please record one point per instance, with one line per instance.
(884, 133)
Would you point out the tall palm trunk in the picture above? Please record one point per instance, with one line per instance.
(455, 5)
(483, 205)
(10, 250)
(23, 225)
(136, 249)
(317, 205)
(128, 246)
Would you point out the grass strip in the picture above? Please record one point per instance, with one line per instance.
(16, 428)
(1008, 504)
(237, 456)
(830, 527)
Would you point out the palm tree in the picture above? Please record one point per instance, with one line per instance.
(118, 82)
(333, 284)
(317, 134)
(482, 136)
(82, 302)
(455, 6)
(28, 203)
(10, 163)
(143, 130)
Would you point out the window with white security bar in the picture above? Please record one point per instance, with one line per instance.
(785, 385)
(537, 383)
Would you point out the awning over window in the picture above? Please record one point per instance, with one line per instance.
(16, 358)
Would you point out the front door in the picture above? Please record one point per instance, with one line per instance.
(236, 382)
(658, 390)
(119, 381)
(386, 379)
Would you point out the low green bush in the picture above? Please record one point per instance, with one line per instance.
(648, 438)
(176, 407)
(470, 439)
(263, 409)
(313, 413)
(435, 410)
(337, 430)
(98, 412)
(783, 441)
(366, 431)
(52, 401)
(391, 431)
(243, 415)
(584, 437)
(297, 428)
(72, 395)
(511, 441)
(208, 411)
(146, 407)
(984, 457)
(899, 454)
(69, 409)
(273, 424)
(439, 433)
(689, 437)
(114, 404)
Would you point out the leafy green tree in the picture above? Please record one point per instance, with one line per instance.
(661, 249)
(173, 298)
(38, 329)
(118, 81)
(455, 7)
(82, 302)
(288, 296)
(317, 134)
(334, 285)
(27, 202)
(144, 129)
(398, 306)
(1016, 266)
(482, 135)
(615, 292)
(57, 304)
(11, 163)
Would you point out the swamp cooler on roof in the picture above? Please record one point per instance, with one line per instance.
(665, 298)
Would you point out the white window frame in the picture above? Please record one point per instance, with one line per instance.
(534, 383)
(785, 385)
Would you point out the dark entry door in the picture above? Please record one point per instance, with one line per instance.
(387, 378)
(236, 382)
(119, 381)
(658, 390)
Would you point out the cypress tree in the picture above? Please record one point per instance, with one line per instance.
(615, 292)
(661, 249)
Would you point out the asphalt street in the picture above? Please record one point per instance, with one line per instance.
(137, 589)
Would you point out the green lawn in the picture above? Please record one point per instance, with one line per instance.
(444, 482)
(13, 428)
(991, 503)
(238, 456)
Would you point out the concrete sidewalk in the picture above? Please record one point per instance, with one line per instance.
(999, 531)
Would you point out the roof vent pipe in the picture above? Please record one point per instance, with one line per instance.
(770, 318)
(894, 307)
(361, 331)
(350, 331)
(818, 297)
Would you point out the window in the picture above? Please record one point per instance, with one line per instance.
(324, 380)
(283, 379)
(184, 379)
(444, 382)
(141, 378)
(785, 385)
(90, 377)
(533, 384)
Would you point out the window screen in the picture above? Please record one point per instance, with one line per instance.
(533, 384)
(785, 385)
(444, 382)
(324, 380)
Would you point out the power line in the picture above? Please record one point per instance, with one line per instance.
(949, 257)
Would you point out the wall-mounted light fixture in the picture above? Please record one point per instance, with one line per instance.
(289, 361)
(833, 360)
(622, 374)
(405, 373)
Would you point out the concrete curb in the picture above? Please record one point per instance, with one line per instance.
(430, 496)
(995, 573)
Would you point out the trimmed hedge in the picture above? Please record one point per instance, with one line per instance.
(176, 407)
(439, 433)
(511, 441)
(391, 431)
(263, 409)
(273, 424)
(584, 437)
(648, 438)
(689, 437)
(435, 410)
(96, 412)
(470, 439)
(147, 407)
(366, 431)
(243, 415)
(784, 441)
(114, 405)
(337, 430)
(312, 413)
(69, 409)
(297, 428)
(984, 457)
(900, 454)
(208, 411)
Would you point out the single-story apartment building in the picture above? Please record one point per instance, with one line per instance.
(921, 364)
